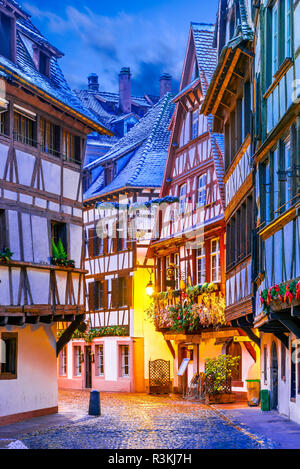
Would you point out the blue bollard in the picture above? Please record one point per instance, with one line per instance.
(94, 408)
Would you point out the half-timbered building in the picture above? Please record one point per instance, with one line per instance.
(115, 352)
(228, 99)
(192, 232)
(118, 112)
(43, 134)
(276, 158)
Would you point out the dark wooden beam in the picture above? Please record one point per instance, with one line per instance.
(3, 321)
(295, 311)
(16, 321)
(171, 348)
(287, 321)
(249, 347)
(283, 338)
(46, 319)
(68, 333)
(251, 335)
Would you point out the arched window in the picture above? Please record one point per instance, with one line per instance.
(235, 350)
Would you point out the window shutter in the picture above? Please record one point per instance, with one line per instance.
(91, 242)
(105, 294)
(91, 297)
(129, 292)
(115, 293)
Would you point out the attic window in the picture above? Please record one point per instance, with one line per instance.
(44, 64)
(41, 61)
(109, 174)
(7, 36)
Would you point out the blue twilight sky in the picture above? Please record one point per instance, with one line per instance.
(102, 36)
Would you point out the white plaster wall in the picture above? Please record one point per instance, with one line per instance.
(13, 230)
(76, 243)
(25, 167)
(40, 240)
(3, 157)
(36, 385)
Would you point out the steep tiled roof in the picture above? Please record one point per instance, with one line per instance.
(206, 54)
(55, 86)
(141, 154)
(243, 33)
(105, 105)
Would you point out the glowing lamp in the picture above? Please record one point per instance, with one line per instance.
(150, 288)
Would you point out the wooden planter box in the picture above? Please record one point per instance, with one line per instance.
(222, 398)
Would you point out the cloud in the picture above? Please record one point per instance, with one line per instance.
(102, 44)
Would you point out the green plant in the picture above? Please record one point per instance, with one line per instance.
(89, 335)
(5, 255)
(218, 373)
(60, 256)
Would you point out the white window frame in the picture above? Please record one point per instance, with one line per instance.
(176, 270)
(63, 368)
(77, 361)
(215, 254)
(200, 258)
(195, 124)
(100, 359)
(124, 354)
(288, 29)
(202, 185)
(182, 197)
(275, 33)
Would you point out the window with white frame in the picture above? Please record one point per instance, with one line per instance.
(77, 361)
(195, 124)
(63, 362)
(200, 264)
(288, 172)
(100, 360)
(288, 35)
(176, 271)
(215, 260)
(275, 38)
(182, 198)
(124, 360)
(201, 199)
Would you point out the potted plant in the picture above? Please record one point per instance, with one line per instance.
(60, 256)
(5, 256)
(218, 373)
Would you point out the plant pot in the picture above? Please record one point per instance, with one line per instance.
(222, 398)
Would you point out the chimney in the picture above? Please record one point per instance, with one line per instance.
(93, 83)
(165, 84)
(125, 90)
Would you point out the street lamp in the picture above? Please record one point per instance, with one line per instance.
(150, 286)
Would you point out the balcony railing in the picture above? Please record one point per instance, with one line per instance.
(189, 310)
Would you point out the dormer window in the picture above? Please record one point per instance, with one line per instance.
(7, 36)
(109, 174)
(41, 61)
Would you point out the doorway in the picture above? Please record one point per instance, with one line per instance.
(274, 378)
(88, 367)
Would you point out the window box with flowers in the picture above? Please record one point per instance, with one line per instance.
(280, 296)
(189, 310)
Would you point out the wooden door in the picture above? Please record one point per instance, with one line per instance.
(235, 350)
(274, 378)
(88, 368)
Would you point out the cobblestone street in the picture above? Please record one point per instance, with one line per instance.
(140, 422)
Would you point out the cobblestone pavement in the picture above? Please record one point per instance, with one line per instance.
(136, 421)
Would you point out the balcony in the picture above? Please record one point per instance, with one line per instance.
(34, 293)
(189, 311)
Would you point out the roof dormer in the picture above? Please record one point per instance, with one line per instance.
(41, 59)
(10, 12)
(7, 34)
